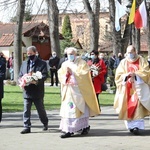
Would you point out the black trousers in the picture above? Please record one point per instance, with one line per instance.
(53, 72)
(0, 110)
(97, 94)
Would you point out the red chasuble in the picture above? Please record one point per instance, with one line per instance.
(132, 98)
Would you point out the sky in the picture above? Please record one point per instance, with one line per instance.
(8, 10)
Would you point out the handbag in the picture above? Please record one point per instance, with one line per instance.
(104, 87)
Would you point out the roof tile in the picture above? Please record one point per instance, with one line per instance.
(6, 40)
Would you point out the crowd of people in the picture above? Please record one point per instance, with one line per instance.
(82, 79)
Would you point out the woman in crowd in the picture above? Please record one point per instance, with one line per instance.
(98, 71)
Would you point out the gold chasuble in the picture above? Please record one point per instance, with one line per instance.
(130, 101)
(82, 76)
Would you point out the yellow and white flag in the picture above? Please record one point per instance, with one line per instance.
(132, 13)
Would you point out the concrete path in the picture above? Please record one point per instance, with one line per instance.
(107, 133)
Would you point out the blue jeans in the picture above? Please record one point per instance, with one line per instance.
(40, 109)
(11, 71)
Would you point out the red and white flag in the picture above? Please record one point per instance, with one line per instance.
(140, 19)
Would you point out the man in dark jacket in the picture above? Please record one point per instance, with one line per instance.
(34, 92)
(118, 59)
(2, 77)
(2, 57)
(53, 63)
(111, 62)
(111, 68)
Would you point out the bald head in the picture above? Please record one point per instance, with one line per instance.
(119, 54)
(101, 55)
(131, 52)
(131, 49)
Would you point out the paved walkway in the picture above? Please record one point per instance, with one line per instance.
(107, 133)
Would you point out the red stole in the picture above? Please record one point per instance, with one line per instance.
(68, 77)
(132, 98)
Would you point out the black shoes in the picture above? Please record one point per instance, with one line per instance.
(45, 127)
(85, 131)
(66, 135)
(135, 131)
(28, 130)
(25, 131)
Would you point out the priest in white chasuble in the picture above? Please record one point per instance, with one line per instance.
(78, 97)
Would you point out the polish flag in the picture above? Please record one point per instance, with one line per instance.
(140, 19)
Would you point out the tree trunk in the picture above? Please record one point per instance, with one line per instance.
(18, 38)
(119, 43)
(53, 15)
(126, 37)
(116, 36)
(137, 40)
(94, 22)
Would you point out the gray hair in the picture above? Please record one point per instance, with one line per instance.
(33, 48)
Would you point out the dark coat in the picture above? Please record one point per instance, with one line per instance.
(53, 62)
(111, 62)
(3, 59)
(117, 62)
(2, 77)
(34, 91)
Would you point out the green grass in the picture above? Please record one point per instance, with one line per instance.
(13, 100)
(106, 99)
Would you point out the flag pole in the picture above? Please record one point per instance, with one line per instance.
(131, 19)
(131, 33)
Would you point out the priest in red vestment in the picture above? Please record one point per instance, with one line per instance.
(132, 98)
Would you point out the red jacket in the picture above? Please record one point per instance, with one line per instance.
(99, 80)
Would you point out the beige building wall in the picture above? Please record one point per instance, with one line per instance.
(27, 41)
(5, 51)
(81, 27)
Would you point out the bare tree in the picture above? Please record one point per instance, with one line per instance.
(18, 38)
(131, 35)
(53, 15)
(119, 43)
(93, 16)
